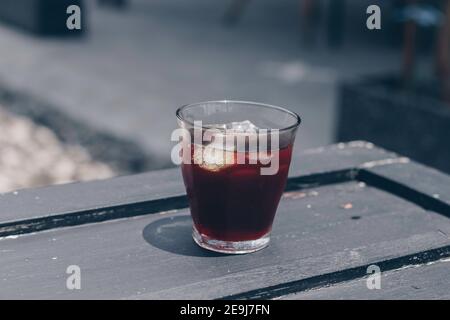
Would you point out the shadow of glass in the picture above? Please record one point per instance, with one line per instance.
(174, 234)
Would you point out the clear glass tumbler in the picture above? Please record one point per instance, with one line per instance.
(236, 158)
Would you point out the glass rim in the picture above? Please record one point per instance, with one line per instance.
(298, 120)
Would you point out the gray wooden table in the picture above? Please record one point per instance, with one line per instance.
(347, 206)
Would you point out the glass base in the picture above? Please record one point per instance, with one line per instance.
(230, 247)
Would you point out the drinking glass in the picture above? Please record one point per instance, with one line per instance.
(236, 157)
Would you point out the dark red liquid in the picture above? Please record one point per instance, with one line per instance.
(235, 202)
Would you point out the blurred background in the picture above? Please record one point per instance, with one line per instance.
(100, 101)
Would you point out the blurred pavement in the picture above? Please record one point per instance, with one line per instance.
(32, 156)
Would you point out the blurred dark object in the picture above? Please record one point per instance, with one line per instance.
(413, 121)
(42, 17)
(310, 12)
(408, 113)
(335, 22)
(425, 14)
(121, 4)
(235, 11)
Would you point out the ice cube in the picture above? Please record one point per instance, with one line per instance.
(219, 154)
(238, 126)
(242, 126)
(212, 158)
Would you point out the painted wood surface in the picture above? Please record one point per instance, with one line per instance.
(346, 207)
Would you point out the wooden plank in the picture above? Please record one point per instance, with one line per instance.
(77, 203)
(154, 257)
(414, 182)
(336, 157)
(423, 179)
(427, 281)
